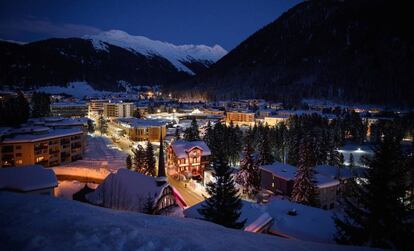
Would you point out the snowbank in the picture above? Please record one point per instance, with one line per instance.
(47, 223)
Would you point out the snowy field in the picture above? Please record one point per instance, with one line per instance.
(30, 222)
(66, 188)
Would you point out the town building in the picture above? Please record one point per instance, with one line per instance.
(118, 110)
(141, 129)
(33, 179)
(69, 109)
(275, 119)
(279, 178)
(188, 158)
(41, 145)
(240, 117)
(96, 106)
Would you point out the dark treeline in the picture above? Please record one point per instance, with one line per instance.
(15, 110)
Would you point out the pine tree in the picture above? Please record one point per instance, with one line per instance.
(249, 175)
(209, 133)
(148, 207)
(129, 162)
(150, 168)
(224, 205)
(177, 135)
(161, 161)
(40, 104)
(351, 160)
(139, 159)
(263, 147)
(376, 215)
(192, 133)
(91, 127)
(22, 108)
(304, 188)
(102, 125)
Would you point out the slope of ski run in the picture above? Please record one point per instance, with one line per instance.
(176, 54)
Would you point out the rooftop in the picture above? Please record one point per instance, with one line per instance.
(288, 172)
(27, 178)
(33, 134)
(135, 122)
(181, 147)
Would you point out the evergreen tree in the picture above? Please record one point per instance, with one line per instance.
(139, 159)
(102, 125)
(209, 133)
(304, 188)
(224, 205)
(376, 215)
(234, 143)
(351, 160)
(192, 133)
(129, 162)
(177, 135)
(148, 207)
(14, 110)
(249, 174)
(22, 108)
(150, 168)
(161, 161)
(91, 127)
(40, 104)
(263, 147)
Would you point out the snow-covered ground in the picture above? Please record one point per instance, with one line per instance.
(30, 222)
(173, 53)
(76, 89)
(67, 188)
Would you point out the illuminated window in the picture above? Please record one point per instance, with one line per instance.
(273, 184)
(19, 162)
(38, 159)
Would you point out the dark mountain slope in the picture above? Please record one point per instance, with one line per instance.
(352, 50)
(58, 61)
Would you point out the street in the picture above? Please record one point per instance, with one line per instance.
(191, 198)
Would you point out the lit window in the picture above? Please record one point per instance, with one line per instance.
(38, 159)
(19, 162)
(273, 184)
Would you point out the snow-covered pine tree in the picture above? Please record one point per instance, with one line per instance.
(304, 187)
(138, 160)
(376, 214)
(209, 133)
(150, 168)
(224, 205)
(192, 133)
(102, 125)
(249, 174)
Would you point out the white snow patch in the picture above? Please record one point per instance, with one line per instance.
(143, 45)
(47, 223)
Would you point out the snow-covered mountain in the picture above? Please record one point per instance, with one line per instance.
(179, 55)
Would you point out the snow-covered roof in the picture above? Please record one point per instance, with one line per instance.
(64, 225)
(126, 190)
(45, 135)
(69, 104)
(27, 178)
(310, 223)
(135, 122)
(288, 172)
(182, 147)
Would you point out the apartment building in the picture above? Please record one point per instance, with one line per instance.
(240, 117)
(41, 145)
(69, 109)
(141, 129)
(118, 110)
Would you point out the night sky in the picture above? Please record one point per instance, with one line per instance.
(209, 22)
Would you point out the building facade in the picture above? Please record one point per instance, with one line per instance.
(188, 158)
(279, 178)
(240, 117)
(118, 110)
(41, 145)
(141, 129)
(69, 109)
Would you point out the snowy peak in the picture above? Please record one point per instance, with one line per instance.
(176, 54)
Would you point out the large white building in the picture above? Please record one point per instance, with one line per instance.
(118, 110)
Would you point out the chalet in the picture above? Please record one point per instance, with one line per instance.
(129, 190)
(33, 179)
(279, 179)
(188, 158)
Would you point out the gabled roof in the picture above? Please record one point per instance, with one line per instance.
(27, 178)
(182, 147)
